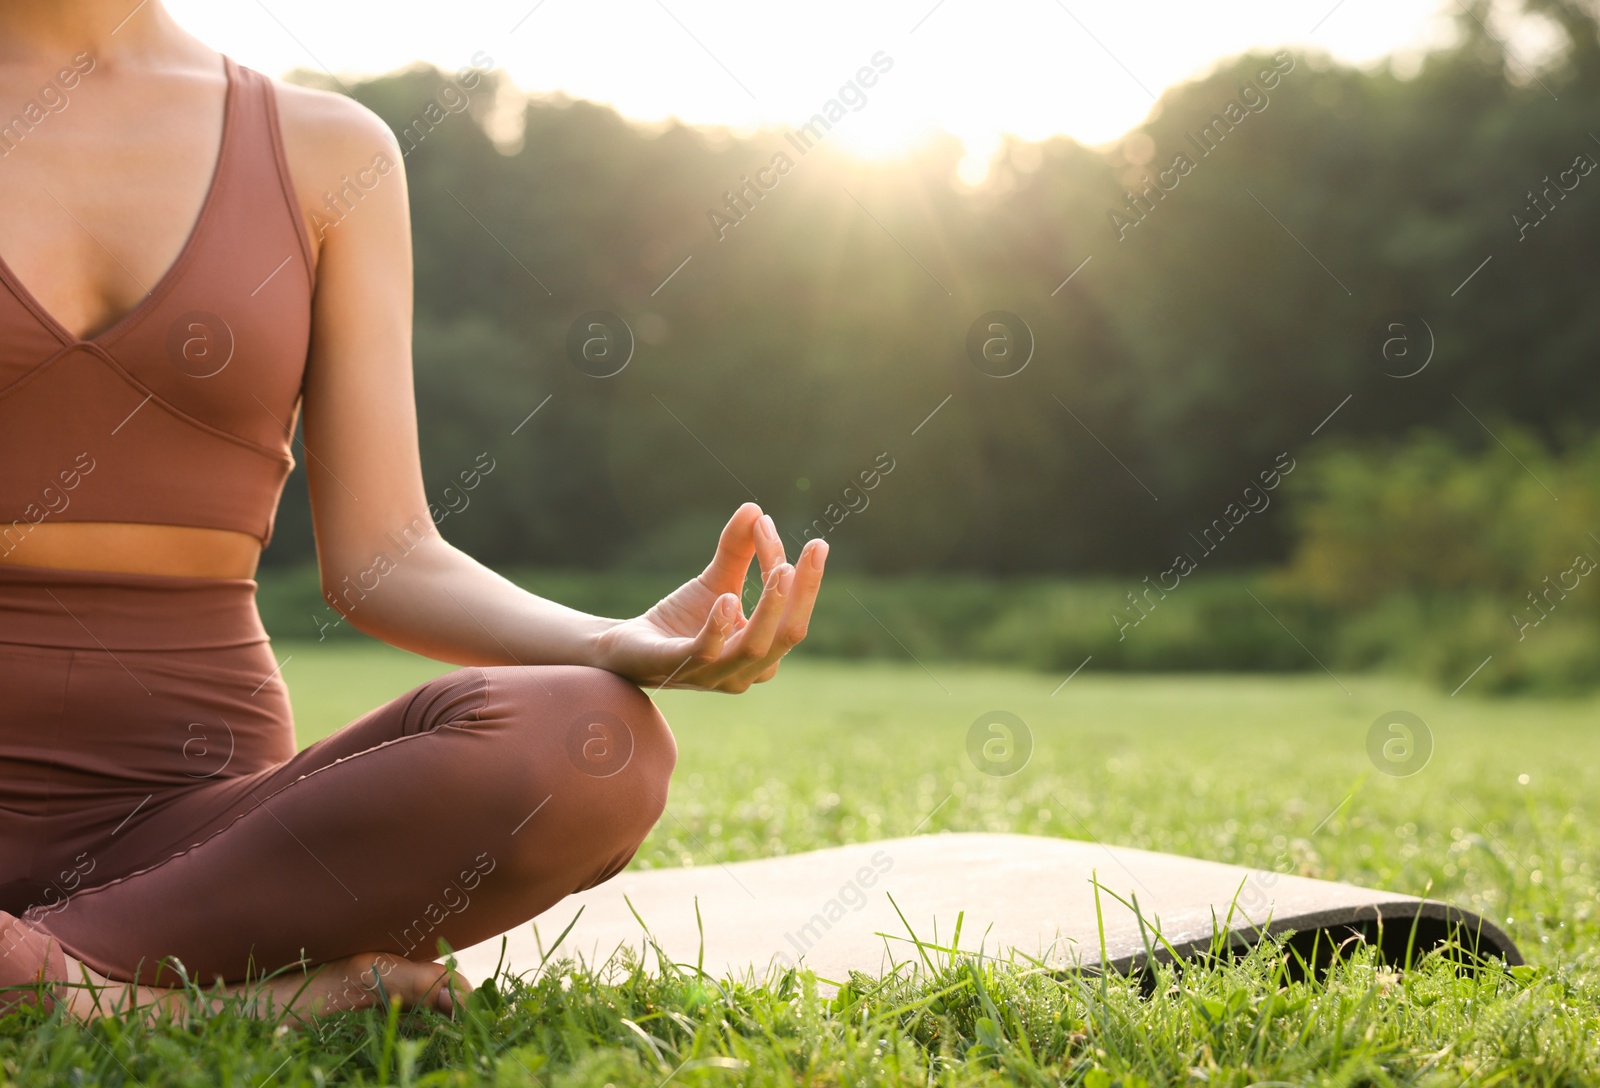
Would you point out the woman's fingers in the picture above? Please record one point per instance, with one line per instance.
(721, 624)
(778, 623)
(769, 548)
(730, 652)
(735, 548)
(751, 644)
(682, 663)
(807, 581)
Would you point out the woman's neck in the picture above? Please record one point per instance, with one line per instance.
(44, 31)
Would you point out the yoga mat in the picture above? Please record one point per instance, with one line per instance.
(831, 910)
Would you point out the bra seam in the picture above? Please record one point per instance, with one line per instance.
(280, 158)
(41, 365)
(36, 308)
(171, 409)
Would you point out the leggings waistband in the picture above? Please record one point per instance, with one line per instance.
(78, 609)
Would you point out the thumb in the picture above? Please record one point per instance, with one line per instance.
(721, 623)
(736, 546)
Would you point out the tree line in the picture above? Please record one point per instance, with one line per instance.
(1072, 367)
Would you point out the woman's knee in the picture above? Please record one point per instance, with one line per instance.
(617, 748)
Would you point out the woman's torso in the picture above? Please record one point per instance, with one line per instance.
(130, 197)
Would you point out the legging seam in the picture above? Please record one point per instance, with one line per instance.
(261, 803)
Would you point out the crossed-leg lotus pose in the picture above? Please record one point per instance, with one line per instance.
(167, 312)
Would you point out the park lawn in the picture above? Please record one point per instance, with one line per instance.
(1272, 772)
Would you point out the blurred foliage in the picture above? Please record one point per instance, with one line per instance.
(1439, 558)
(1057, 625)
(1048, 624)
(783, 359)
(1422, 517)
(1412, 556)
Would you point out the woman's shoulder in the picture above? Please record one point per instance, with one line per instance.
(328, 139)
(323, 128)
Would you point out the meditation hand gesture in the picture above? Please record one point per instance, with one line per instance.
(699, 637)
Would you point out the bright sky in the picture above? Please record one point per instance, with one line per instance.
(975, 68)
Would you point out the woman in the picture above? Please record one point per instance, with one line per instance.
(166, 313)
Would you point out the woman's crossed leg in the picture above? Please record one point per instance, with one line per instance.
(452, 813)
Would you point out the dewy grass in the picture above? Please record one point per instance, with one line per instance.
(1268, 772)
(966, 1019)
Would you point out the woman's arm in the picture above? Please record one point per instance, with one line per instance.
(382, 562)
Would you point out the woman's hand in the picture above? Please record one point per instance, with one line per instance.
(698, 636)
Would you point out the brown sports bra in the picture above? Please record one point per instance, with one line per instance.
(183, 411)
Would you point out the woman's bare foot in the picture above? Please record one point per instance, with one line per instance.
(354, 982)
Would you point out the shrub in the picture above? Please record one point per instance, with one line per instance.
(1436, 561)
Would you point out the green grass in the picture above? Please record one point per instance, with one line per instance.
(1260, 771)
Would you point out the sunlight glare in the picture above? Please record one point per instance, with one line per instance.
(1088, 69)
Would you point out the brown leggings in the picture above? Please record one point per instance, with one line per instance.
(152, 803)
